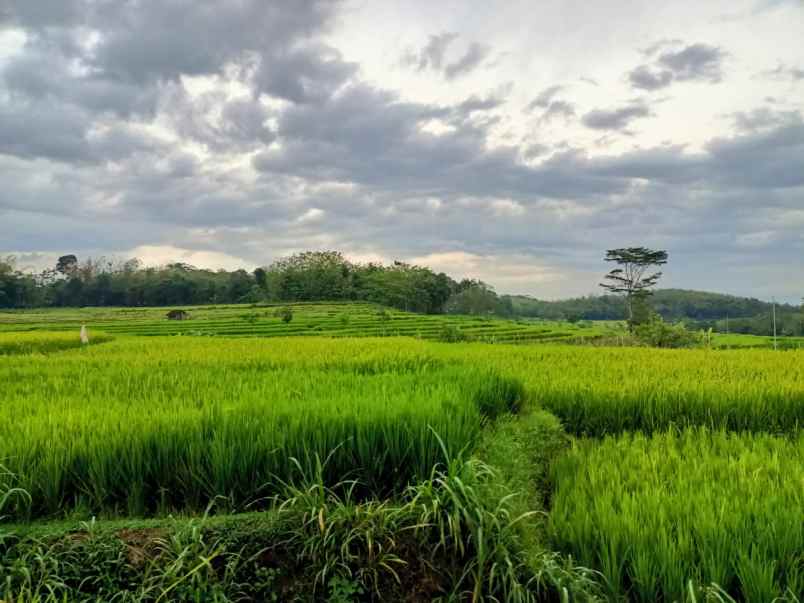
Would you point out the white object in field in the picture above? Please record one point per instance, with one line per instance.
(84, 335)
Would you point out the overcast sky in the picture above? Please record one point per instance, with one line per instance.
(510, 141)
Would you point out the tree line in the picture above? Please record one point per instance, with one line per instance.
(329, 276)
(307, 276)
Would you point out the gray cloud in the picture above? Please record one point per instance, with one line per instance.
(782, 73)
(475, 54)
(615, 119)
(559, 108)
(764, 118)
(552, 107)
(433, 56)
(544, 97)
(647, 78)
(695, 62)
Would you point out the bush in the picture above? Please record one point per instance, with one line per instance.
(286, 314)
(451, 334)
(659, 334)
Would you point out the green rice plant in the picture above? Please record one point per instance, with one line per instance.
(38, 342)
(166, 425)
(664, 516)
(353, 319)
(599, 391)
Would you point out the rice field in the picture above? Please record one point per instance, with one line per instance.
(155, 425)
(44, 343)
(658, 514)
(685, 471)
(309, 319)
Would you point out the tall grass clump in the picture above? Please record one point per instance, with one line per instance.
(664, 516)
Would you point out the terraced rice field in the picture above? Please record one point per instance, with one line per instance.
(316, 319)
(677, 475)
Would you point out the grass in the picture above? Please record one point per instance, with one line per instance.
(653, 513)
(442, 539)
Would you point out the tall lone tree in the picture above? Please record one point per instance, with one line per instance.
(632, 279)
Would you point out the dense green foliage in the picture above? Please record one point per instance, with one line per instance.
(652, 513)
(307, 276)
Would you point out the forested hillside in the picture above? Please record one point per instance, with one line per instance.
(700, 309)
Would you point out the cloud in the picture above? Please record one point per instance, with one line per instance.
(559, 108)
(433, 56)
(159, 255)
(474, 55)
(700, 62)
(123, 128)
(552, 106)
(783, 73)
(764, 118)
(543, 99)
(615, 119)
(695, 62)
(647, 78)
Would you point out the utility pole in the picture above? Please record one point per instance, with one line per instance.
(774, 323)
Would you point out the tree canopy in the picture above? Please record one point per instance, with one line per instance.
(632, 279)
(306, 276)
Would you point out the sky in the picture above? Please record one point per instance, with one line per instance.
(510, 141)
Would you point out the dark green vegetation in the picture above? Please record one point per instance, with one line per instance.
(700, 310)
(308, 276)
(396, 469)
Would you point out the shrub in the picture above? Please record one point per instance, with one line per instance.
(451, 334)
(285, 313)
(659, 334)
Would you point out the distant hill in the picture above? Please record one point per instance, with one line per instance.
(672, 304)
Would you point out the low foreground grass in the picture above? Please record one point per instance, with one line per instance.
(444, 538)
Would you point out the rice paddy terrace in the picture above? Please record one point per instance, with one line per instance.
(316, 319)
(337, 468)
